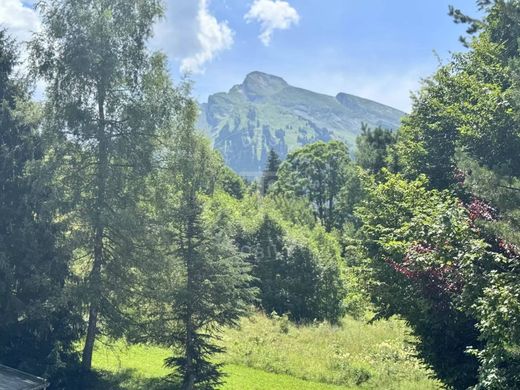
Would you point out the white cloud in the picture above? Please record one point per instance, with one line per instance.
(189, 34)
(272, 15)
(192, 35)
(20, 19)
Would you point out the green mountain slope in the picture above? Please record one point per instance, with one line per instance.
(265, 112)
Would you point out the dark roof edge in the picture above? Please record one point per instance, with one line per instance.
(41, 386)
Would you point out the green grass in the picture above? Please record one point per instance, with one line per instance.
(145, 361)
(377, 356)
(136, 367)
(245, 378)
(267, 353)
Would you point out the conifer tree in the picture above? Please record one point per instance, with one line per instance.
(373, 147)
(37, 326)
(269, 175)
(292, 277)
(203, 280)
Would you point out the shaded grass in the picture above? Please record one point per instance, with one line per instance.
(272, 353)
(123, 379)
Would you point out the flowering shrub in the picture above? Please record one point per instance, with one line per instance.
(418, 245)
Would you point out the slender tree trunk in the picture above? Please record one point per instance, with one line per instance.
(328, 226)
(86, 359)
(321, 212)
(320, 200)
(99, 233)
(189, 373)
(331, 185)
(188, 382)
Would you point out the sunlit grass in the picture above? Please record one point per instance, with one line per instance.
(135, 367)
(272, 353)
(356, 354)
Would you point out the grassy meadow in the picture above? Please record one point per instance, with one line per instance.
(272, 353)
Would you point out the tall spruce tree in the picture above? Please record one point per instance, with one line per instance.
(202, 280)
(270, 174)
(108, 98)
(37, 326)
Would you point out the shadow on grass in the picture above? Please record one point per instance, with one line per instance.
(123, 380)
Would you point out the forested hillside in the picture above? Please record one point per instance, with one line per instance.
(132, 256)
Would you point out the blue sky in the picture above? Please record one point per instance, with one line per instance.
(378, 49)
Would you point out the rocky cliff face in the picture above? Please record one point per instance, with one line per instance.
(265, 112)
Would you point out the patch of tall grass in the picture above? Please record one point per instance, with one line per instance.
(379, 355)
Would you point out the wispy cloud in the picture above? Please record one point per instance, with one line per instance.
(192, 35)
(272, 15)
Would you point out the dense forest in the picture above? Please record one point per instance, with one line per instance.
(121, 222)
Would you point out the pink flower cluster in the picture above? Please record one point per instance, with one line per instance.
(509, 250)
(480, 209)
(433, 279)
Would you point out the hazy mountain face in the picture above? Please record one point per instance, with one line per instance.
(265, 112)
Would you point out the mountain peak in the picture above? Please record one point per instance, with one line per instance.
(264, 77)
(265, 113)
(259, 84)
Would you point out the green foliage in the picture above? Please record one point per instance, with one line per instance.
(352, 193)
(116, 212)
(494, 293)
(463, 133)
(426, 141)
(231, 183)
(270, 174)
(467, 103)
(201, 282)
(108, 99)
(294, 277)
(293, 210)
(296, 263)
(498, 310)
(357, 302)
(428, 261)
(317, 172)
(373, 146)
(417, 244)
(38, 321)
(270, 266)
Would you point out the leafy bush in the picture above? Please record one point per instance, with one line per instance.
(293, 277)
(417, 245)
